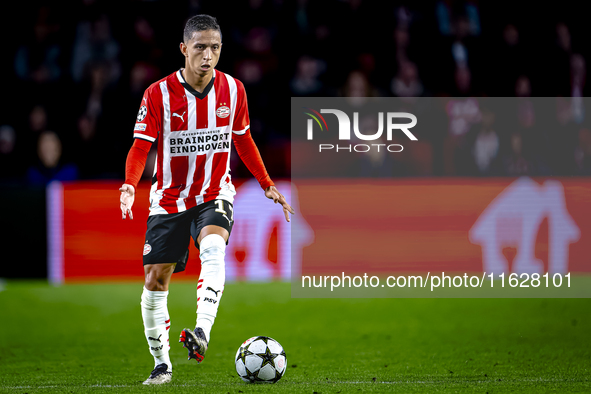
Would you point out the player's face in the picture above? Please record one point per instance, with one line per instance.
(202, 51)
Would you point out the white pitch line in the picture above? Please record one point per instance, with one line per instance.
(492, 380)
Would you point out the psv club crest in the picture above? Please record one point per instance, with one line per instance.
(223, 112)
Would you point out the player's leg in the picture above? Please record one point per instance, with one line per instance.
(212, 242)
(211, 231)
(165, 252)
(156, 318)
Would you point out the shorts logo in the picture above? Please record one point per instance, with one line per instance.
(140, 127)
(147, 249)
(142, 113)
(223, 112)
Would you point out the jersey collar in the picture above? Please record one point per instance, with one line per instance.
(190, 89)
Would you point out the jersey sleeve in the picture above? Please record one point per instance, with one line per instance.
(241, 119)
(149, 118)
(249, 153)
(136, 161)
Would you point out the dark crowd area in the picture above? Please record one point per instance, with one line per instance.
(75, 72)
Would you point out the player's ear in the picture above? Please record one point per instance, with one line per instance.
(184, 49)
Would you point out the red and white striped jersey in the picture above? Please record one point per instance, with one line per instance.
(194, 132)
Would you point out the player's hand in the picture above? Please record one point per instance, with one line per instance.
(272, 193)
(127, 198)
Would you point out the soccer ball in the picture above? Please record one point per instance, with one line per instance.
(260, 360)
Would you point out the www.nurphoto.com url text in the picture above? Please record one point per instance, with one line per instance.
(433, 282)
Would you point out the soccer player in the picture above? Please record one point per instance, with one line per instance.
(193, 114)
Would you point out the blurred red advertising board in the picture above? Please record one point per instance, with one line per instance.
(450, 224)
(88, 240)
(351, 225)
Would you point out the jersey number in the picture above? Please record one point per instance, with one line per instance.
(220, 209)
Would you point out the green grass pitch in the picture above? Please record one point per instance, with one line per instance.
(89, 338)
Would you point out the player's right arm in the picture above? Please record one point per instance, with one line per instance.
(146, 131)
(134, 168)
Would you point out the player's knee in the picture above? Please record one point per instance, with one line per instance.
(156, 282)
(212, 249)
(153, 284)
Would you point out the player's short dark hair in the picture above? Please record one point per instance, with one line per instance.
(200, 23)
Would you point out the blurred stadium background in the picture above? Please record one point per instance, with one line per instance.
(75, 72)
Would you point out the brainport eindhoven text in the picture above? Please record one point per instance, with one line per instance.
(199, 143)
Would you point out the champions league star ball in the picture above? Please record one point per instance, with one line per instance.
(260, 360)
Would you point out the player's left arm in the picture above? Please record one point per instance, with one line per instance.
(250, 155)
(272, 193)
